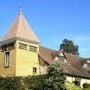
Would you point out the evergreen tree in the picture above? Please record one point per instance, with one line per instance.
(69, 47)
(55, 78)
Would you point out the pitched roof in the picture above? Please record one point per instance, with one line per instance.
(46, 54)
(74, 65)
(20, 29)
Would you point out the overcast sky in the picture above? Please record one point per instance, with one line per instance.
(52, 20)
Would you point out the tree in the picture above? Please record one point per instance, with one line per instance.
(55, 77)
(69, 47)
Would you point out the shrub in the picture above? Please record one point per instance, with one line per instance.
(35, 82)
(22, 83)
(86, 86)
(10, 83)
(55, 77)
(71, 86)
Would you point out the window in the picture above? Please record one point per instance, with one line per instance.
(62, 59)
(23, 46)
(33, 48)
(86, 65)
(34, 70)
(7, 59)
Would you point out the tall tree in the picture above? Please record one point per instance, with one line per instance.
(55, 77)
(69, 47)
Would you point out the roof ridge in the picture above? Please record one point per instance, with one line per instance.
(48, 48)
(17, 24)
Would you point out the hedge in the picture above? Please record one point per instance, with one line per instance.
(35, 82)
(10, 83)
(22, 83)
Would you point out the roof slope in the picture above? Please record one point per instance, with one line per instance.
(46, 54)
(20, 29)
(74, 65)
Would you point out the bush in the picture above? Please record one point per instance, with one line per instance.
(86, 86)
(22, 83)
(55, 77)
(35, 82)
(71, 86)
(10, 83)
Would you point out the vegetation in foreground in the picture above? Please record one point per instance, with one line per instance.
(53, 80)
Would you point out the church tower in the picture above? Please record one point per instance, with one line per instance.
(19, 50)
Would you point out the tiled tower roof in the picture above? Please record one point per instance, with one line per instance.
(20, 29)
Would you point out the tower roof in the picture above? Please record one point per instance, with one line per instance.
(20, 29)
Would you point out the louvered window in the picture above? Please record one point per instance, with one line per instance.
(23, 46)
(33, 48)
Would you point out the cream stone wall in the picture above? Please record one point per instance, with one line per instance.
(26, 60)
(84, 81)
(1, 64)
(70, 79)
(8, 71)
(43, 69)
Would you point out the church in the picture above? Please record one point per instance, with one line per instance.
(21, 54)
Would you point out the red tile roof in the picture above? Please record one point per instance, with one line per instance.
(74, 65)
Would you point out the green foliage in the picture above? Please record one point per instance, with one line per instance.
(10, 83)
(69, 47)
(55, 78)
(35, 82)
(71, 86)
(86, 86)
(22, 83)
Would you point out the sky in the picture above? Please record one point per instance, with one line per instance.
(52, 21)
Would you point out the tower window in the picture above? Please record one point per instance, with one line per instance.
(34, 70)
(23, 46)
(33, 48)
(7, 59)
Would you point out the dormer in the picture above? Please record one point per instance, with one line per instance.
(60, 57)
(86, 65)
